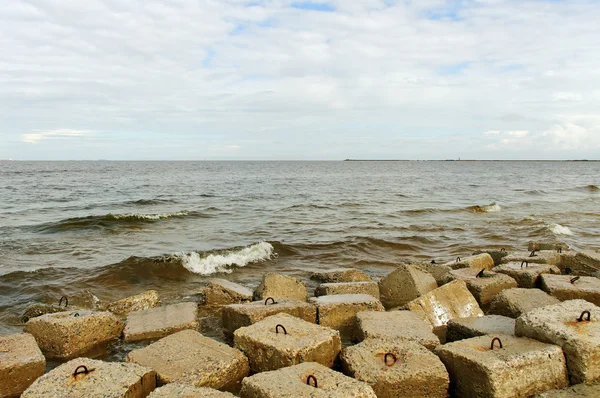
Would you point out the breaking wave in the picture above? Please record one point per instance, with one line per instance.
(491, 208)
(558, 229)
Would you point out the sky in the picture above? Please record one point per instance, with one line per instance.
(298, 80)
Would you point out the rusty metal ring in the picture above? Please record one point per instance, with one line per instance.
(573, 280)
(76, 314)
(386, 356)
(559, 250)
(493, 341)
(589, 316)
(503, 250)
(272, 300)
(77, 372)
(457, 259)
(66, 301)
(532, 254)
(433, 262)
(525, 262)
(308, 379)
(280, 326)
(480, 274)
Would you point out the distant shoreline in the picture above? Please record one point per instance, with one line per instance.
(468, 160)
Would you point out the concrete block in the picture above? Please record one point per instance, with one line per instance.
(68, 334)
(328, 289)
(480, 261)
(340, 275)
(36, 310)
(577, 391)
(521, 368)
(223, 292)
(497, 255)
(539, 257)
(583, 287)
(176, 390)
(396, 325)
(283, 340)
(187, 357)
(161, 321)
(440, 272)
(235, 316)
(338, 312)
(484, 285)
(21, 362)
(104, 379)
(405, 284)
(584, 263)
(293, 382)
(526, 274)
(563, 324)
(139, 302)
(466, 328)
(280, 286)
(447, 302)
(396, 368)
(546, 246)
(514, 302)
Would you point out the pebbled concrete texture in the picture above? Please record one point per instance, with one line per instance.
(526, 275)
(223, 292)
(328, 289)
(161, 321)
(479, 261)
(560, 286)
(540, 257)
(177, 390)
(140, 302)
(485, 286)
(405, 284)
(466, 328)
(21, 363)
(517, 301)
(577, 391)
(584, 263)
(339, 275)
(280, 286)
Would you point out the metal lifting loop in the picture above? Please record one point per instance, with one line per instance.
(524, 262)
(66, 301)
(433, 262)
(581, 319)
(532, 254)
(314, 379)
(280, 326)
(573, 280)
(457, 259)
(76, 314)
(503, 250)
(272, 300)
(388, 355)
(77, 372)
(559, 250)
(493, 341)
(480, 274)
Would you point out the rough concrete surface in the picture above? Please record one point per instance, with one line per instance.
(540, 257)
(485, 286)
(143, 301)
(161, 321)
(440, 272)
(280, 286)
(466, 328)
(223, 292)
(526, 275)
(36, 310)
(479, 261)
(21, 362)
(584, 263)
(405, 284)
(328, 289)
(577, 391)
(176, 390)
(339, 275)
(514, 302)
(497, 255)
(560, 286)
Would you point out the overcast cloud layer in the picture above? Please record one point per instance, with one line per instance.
(276, 79)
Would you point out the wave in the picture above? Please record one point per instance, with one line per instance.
(149, 202)
(592, 188)
(491, 208)
(558, 229)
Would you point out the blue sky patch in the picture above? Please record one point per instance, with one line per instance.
(307, 5)
(454, 69)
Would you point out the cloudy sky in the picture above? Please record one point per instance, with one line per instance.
(284, 79)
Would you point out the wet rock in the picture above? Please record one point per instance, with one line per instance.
(515, 302)
(466, 328)
(21, 363)
(561, 287)
(187, 357)
(540, 257)
(176, 390)
(521, 368)
(396, 368)
(283, 340)
(105, 379)
(484, 285)
(66, 335)
(280, 286)
(395, 325)
(138, 302)
(559, 324)
(36, 310)
(440, 272)
(223, 292)
(578, 391)
(161, 321)
(340, 275)
(480, 261)
(339, 311)
(447, 302)
(328, 289)
(551, 246)
(583, 263)
(235, 316)
(405, 284)
(291, 382)
(527, 275)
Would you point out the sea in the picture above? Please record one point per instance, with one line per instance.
(98, 231)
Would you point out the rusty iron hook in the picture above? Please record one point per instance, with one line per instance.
(559, 250)
(66, 301)
(85, 370)
(480, 274)
(532, 254)
(493, 341)
(503, 250)
(386, 356)
(457, 259)
(272, 300)
(573, 280)
(525, 262)
(581, 319)
(280, 326)
(313, 378)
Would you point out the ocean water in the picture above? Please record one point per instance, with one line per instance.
(106, 230)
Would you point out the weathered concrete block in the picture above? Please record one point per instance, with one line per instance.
(36, 310)
(480, 261)
(293, 382)
(577, 391)
(176, 390)
(440, 272)
(539, 257)
(340, 275)
(139, 302)
(466, 328)
(223, 292)
(338, 312)
(447, 302)
(161, 321)
(583, 287)
(514, 302)
(396, 325)
(66, 335)
(559, 324)
(104, 379)
(188, 357)
(521, 368)
(396, 368)
(583, 263)
(484, 285)
(21, 362)
(280, 286)
(552, 246)
(329, 289)
(527, 275)
(405, 284)
(235, 316)
(283, 340)
(497, 255)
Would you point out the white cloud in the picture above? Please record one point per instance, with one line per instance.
(571, 136)
(492, 132)
(40, 135)
(518, 134)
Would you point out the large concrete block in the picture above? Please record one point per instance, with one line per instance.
(396, 368)
(340, 275)
(235, 316)
(188, 357)
(223, 292)
(484, 285)
(466, 328)
(283, 340)
(567, 287)
(546, 246)
(21, 362)
(338, 312)
(280, 286)
(479, 261)
(564, 324)
(514, 302)
(176, 390)
(440, 272)
(497, 255)
(527, 275)
(577, 391)
(328, 289)
(521, 368)
(539, 257)
(306, 380)
(584, 263)
(405, 284)
(140, 302)
(103, 379)
(35, 310)
(66, 335)
(447, 302)
(396, 325)
(161, 321)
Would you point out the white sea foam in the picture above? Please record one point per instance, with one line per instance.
(215, 263)
(137, 216)
(558, 229)
(492, 208)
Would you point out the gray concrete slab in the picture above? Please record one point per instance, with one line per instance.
(159, 322)
(466, 328)
(328, 289)
(514, 302)
(21, 363)
(405, 284)
(568, 287)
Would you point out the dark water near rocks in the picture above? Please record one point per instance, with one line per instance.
(114, 229)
